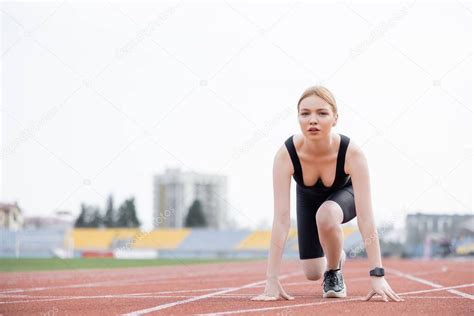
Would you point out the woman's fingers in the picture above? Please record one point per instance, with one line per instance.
(369, 296)
(256, 298)
(390, 294)
(394, 295)
(270, 298)
(263, 297)
(286, 296)
(397, 296)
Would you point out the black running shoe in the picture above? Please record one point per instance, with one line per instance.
(334, 285)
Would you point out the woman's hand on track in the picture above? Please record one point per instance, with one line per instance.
(382, 288)
(273, 291)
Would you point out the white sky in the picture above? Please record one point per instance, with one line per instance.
(97, 98)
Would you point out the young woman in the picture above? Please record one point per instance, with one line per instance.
(332, 187)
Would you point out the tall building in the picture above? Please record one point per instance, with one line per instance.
(174, 192)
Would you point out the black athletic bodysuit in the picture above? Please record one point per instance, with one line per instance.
(310, 198)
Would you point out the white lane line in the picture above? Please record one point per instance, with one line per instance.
(241, 311)
(46, 298)
(131, 294)
(249, 310)
(207, 277)
(446, 288)
(73, 286)
(182, 291)
(114, 283)
(31, 299)
(436, 297)
(201, 297)
(284, 306)
(427, 282)
(41, 298)
(87, 297)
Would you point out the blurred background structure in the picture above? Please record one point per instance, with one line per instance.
(175, 191)
(424, 236)
(148, 130)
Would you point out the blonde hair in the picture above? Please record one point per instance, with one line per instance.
(321, 92)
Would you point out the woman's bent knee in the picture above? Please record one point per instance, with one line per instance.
(314, 268)
(314, 276)
(329, 215)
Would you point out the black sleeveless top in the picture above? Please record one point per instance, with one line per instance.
(341, 179)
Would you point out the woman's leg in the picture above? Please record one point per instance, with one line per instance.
(314, 268)
(328, 219)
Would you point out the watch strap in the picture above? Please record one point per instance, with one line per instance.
(378, 272)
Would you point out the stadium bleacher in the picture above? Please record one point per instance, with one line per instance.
(165, 242)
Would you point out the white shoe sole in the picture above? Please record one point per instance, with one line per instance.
(340, 294)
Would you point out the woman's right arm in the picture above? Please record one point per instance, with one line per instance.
(282, 171)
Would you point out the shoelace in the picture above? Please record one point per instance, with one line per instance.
(331, 276)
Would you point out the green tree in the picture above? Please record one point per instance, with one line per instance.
(195, 217)
(110, 214)
(81, 219)
(127, 215)
(89, 216)
(96, 218)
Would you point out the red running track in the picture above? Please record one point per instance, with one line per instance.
(437, 287)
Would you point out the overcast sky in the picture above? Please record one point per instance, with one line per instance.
(99, 97)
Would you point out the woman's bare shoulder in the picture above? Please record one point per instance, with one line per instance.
(297, 139)
(354, 151)
(282, 160)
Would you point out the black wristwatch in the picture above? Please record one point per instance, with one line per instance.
(377, 272)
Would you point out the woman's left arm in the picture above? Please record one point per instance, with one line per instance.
(359, 171)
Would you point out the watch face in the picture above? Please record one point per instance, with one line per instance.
(377, 272)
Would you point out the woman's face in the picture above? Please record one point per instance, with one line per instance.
(316, 117)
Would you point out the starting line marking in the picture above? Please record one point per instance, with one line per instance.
(197, 298)
(241, 311)
(429, 283)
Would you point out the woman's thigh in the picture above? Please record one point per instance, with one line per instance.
(345, 198)
(308, 237)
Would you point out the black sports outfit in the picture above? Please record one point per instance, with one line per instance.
(310, 198)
